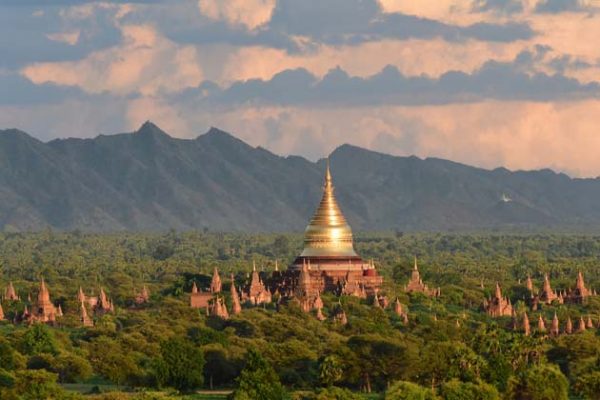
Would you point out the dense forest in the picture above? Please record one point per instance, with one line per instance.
(162, 349)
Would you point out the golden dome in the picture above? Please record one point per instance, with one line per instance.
(328, 234)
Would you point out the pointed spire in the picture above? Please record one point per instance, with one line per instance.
(194, 287)
(529, 283)
(589, 323)
(236, 307)
(498, 292)
(569, 326)
(328, 233)
(215, 284)
(320, 315)
(84, 317)
(253, 265)
(526, 326)
(10, 293)
(398, 307)
(541, 324)
(81, 295)
(415, 266)
(555, 329)
(581, 325)
(1, 312)
(276, 266)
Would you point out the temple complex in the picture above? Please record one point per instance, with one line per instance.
(100, 304)
(44, 310)
(580, 293)
(256, 292)
(498, 305)
(328, 262)
(547, 295)
(416, 285)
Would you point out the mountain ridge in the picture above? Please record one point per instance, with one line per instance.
(148, 180)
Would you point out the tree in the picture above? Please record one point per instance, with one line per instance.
(381, 359)
(258, 380)
(588, 385)
(443, 361)
(181, 365)
(36, 385)
(540, 382)
(330, 370)
(110, 360)
(39, 339)
(403, 390)
(71, 368)
(457, 390)
(8, 360)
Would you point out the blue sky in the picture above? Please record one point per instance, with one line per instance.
(487, 82)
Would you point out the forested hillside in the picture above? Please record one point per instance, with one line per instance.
(448, 348)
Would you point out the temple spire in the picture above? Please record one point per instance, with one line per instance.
(328, 233)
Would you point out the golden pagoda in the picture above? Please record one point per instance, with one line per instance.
(328, 259)
(328, 234)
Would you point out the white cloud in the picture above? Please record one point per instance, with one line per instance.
(250, 13)
(65, 37)
(144, 62)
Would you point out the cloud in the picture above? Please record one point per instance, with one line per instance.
(49, 35)
(559, 6)
(517, 135)
(65, 37)
(499, 6)
(355, 21)
(144, 62)
(15, 90)
(494, 80)
(250, 13)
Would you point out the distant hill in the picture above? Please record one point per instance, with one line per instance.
(147, 180)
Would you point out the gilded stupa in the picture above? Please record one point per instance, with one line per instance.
(328, 257)
(328, 236)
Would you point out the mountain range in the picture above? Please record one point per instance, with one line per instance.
(148, 180)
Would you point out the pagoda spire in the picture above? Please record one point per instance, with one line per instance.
(555, 329)
(541, 324)
(215, 284)
(569, 326)
(1, 312)
(328, 233)
(84, 317)
(236, 307)
(526, 326)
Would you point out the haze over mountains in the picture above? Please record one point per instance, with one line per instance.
(148, 180)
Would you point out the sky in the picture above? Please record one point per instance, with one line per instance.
(513, 83)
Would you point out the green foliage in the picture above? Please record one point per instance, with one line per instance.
(36, 385)
(373, 350)
(457, 390)
(541, 382)
(180, 365)
(402, 390)
(258, 380)
(71, 368)
(8, 359)
(588, 385)
(330, 370)
(39, 339)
